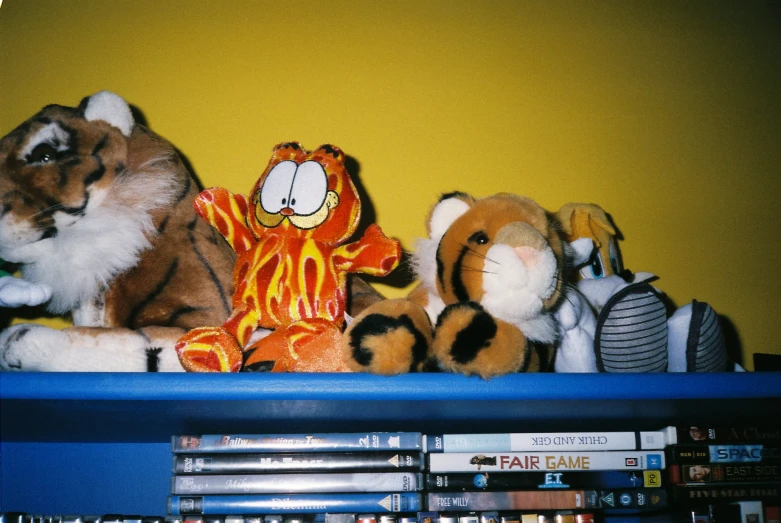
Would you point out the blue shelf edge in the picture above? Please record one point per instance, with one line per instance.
(367, 387)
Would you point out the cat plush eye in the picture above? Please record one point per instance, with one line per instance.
(42, 153)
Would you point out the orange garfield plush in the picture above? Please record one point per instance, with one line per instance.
(292, 265)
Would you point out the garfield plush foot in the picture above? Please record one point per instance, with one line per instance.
(390, 337)
(209, 349)
(305, 346)
(471, 341)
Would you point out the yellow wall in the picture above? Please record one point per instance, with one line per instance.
(666, 113)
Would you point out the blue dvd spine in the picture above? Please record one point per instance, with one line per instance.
(322, 442)
(294, 503)
(306, 482)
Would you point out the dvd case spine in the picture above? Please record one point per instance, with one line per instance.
(318, 442)
(553, 441)
(544, 480)
(729, 435)
(294, 503)
(724, 454)
(296, 483)
(545, 461)
(726, 493)
(642, 499)
(705, 472)
(298, 461)
(512, 500)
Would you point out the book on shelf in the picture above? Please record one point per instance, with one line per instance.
(550, 499)
(249, 463)
(545, 441)
(545, 461)
(295, 503)
(316, 442)
(296, 483)
(544, 480)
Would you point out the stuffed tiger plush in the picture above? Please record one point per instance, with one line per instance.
(99, 209)
(491, 275)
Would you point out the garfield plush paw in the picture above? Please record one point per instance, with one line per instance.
(392, 337)
(209, 349)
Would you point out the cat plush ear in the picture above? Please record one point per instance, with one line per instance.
(110, 108)
(446, 211)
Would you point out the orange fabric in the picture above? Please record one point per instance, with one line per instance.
(287, 274)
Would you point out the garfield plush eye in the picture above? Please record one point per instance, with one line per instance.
(310, 187)
(275, 193)
(42, 153)
(480, 238)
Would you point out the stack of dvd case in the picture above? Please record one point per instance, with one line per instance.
(577, 471)
(263, 474)
(727, 474)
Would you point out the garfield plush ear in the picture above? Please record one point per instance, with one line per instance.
(447, 210)
(579, 220)
(110, 108)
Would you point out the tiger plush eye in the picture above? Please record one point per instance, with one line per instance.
(42, 153)
(479, 238)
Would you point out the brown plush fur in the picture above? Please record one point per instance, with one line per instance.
(397, 336)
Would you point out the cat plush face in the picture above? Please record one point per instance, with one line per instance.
(500, 251)
(53, 168)
(62, 182)
(306, 195)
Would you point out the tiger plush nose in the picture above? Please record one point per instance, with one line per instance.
(527, 243)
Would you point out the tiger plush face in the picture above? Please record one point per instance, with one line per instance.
(501, 251)
(67, 216)
(99, 209)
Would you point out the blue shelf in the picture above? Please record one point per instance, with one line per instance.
(94, 443)
(108, 407)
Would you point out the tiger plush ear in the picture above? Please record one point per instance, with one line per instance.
(447, 210)
(110, 108)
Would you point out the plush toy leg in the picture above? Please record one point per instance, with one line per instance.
(696, 341)
(209, 349)
(577, 328)
(390, 337)
(631, 333)
(218, 349)
(311, 345)
(467, 339)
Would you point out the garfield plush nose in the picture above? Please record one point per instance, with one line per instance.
(287, 211)
(525, 240)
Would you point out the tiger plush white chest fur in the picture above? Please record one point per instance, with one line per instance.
(99, 209)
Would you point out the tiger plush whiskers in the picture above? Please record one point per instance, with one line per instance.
(475, 253)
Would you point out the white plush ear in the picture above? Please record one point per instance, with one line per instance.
(579, 251)
(112, 109)
(444, 214)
